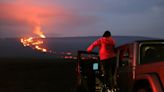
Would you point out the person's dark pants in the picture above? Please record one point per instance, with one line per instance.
(108, 70)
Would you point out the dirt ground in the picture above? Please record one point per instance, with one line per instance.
(37, 75)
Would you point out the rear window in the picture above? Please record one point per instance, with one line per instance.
(151, 53)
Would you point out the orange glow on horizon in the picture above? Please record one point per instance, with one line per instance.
(33, 16)
(38, 31)
(35, 42)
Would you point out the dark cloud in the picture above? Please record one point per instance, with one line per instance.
(87, 17)
(126, 6)
(12, 22)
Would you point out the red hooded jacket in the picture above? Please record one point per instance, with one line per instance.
(106, 47)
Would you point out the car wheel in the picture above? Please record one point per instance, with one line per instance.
(144, 89)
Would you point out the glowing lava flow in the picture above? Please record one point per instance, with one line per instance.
(35, 42)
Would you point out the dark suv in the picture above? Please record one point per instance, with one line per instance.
(140, 66)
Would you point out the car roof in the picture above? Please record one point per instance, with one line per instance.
(143, 41)
(155, 40)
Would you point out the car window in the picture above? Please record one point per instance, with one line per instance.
(151, 53)
(124, 57)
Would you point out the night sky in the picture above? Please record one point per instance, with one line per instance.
(66, 18)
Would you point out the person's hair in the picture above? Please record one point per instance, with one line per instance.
(107, 34)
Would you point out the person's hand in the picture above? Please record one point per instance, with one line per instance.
(88, 50)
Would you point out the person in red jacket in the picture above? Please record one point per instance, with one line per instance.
(107, 55)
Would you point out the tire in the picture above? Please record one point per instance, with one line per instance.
(143, 88)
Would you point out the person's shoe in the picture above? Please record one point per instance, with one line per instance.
(102, 75)
(108, 90)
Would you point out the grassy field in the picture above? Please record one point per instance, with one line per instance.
(37, 75)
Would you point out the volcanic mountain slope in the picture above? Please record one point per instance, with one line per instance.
(12, 47)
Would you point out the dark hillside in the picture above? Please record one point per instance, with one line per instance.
(11, 47)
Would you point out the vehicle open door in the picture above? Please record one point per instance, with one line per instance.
(87, 68)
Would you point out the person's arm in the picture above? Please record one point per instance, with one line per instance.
(93, 45)
(114, 43)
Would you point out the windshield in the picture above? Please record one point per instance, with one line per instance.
(150, 53)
